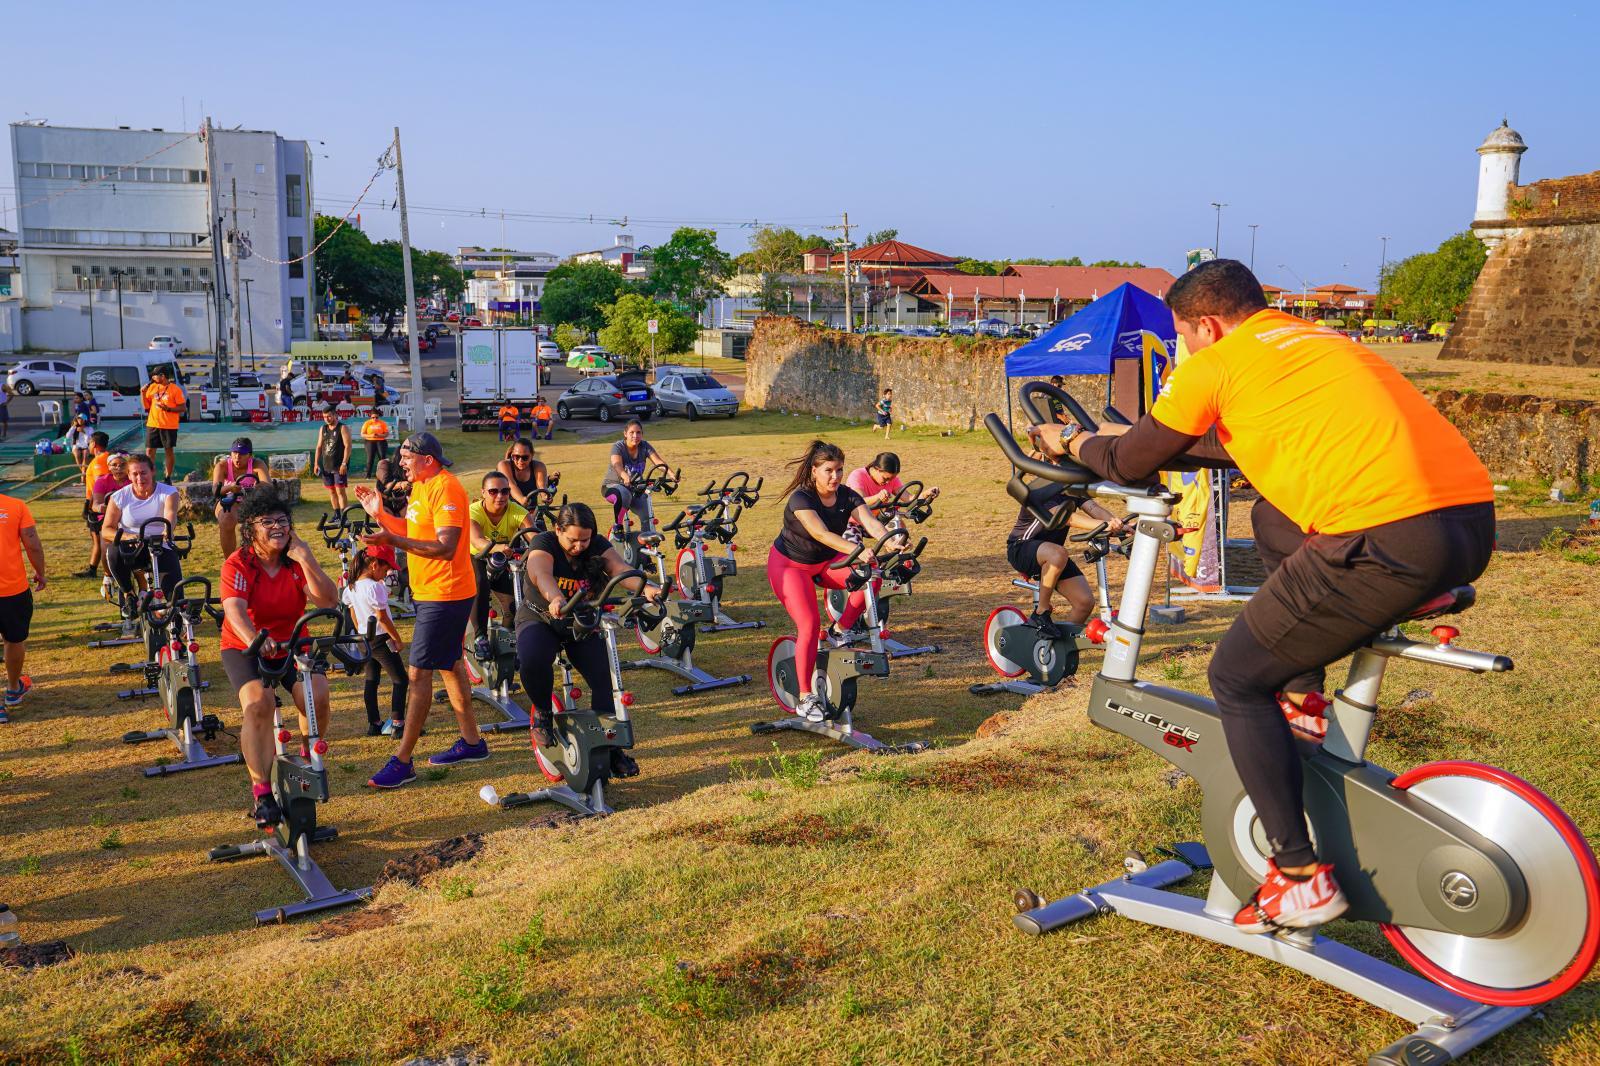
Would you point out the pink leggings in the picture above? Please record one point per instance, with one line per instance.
(795, 586)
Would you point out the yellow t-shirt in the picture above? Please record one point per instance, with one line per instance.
(1325, 429)
(503, 530)
(374, 429)
(154, 396)
(14, 518)
(435, 504)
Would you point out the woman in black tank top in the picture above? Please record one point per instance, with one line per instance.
(525, 472)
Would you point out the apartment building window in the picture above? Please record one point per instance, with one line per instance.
(297, 264)
(297, 316)
(292, 194)
(125, 238)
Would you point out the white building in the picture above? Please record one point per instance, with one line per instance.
(622, 255)
(115, 236)
(1499, 168)
(504, 281)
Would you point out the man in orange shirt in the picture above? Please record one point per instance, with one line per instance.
(443, 587)
(508, 416)
(1372, 503)
(544, 424)
(17, 534)
(97, 468)
(375, 433)
(165, 402)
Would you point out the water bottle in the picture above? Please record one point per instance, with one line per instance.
(8, 926)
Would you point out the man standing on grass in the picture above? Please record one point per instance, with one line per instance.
(443, 587)
(166, 404)
(17, 534)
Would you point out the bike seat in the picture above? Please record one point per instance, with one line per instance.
(1453, 602)
(650, 540)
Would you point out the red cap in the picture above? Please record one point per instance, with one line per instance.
(382, 553)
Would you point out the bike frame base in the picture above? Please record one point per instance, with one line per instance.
(898, 650)
(723, 624)
(1019, 686)
(845, 734)
(194, 759)
(700, 681)
(516, 718)
(319, 891)
(590, 806)
(1447, 1025)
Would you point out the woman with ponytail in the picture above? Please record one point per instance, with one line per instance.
(820, 510)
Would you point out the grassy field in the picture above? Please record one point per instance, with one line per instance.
(749, 902)
(1421, 364)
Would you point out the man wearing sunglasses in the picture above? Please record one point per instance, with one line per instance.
(495, 520)
(443, 588)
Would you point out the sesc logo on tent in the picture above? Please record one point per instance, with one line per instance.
(1074, 343)
(482, 354)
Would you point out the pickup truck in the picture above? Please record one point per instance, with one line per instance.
(251, 397)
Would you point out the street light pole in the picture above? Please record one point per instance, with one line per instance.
(1253, 227)
(1304, 288)
(1216, 243)
(115, 273)
(251, 319)
(1383, 264)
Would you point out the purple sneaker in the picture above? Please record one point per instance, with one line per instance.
(394, 774)
(461, 751)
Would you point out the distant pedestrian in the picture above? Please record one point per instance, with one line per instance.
(5, 410)
(333, 457)
(885, 415)
(166, 404)
(544, 421)
(77, 441)
(1058, 410)
(508, 417)
(375, 434)
(17, 535)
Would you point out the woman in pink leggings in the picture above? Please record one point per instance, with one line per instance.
(814, 521)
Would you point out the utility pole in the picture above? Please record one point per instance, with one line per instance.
(411, 290)
(122, 341)
(849, 317)
(216, 288)
(1253, 227)
(1216, 243)
(249, 316)
(238, 328)
(1383, 264)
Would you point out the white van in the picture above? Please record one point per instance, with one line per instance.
(118, 377)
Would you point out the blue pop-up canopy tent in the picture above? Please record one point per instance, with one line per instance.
(1125, 323)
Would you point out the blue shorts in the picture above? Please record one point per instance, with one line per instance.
(880, 421)
(332, 480)
(441, 626)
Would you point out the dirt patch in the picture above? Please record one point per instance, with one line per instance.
(128, 973)
(414, 867)
(461, 1056)
(33, 956)
(986, 774)
(177, 1030)
(1181, 650)
(765, 977)
(356, 922)
(558, 819)
(807, 830)
(994, 725)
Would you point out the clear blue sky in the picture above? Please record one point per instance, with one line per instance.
(990, 130)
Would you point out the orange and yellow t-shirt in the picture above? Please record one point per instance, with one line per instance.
(14, 518)
(541, 412)
(509, 413)
(154, 396)
(1325, 429)
(435, 504)
(374, 428)
(97, 468)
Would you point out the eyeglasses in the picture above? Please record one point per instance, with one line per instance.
(497, 492)
(520, 458)
(273, 522)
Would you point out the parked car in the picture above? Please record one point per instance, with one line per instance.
(33, 376)
(117, 377)
(692, 393)
(607, 397)
(167, 343)
(550, 352)
(402, 346)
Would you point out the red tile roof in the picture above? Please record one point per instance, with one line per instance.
(1083, 283)
(899, 252)
(1334, 288)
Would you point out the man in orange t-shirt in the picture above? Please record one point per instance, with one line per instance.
(543, 421)
(443, 587)
(509, 416)
(165, 402)
(17, 534)
(1372, 504)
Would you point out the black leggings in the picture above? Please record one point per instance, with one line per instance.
(537, 645)
(1322, 600)
(123, 566)
(480, 605)
(376, 450)
(385, 660)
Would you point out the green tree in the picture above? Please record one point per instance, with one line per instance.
(568, 337)
(627, 332)
(437, 270)
(1432, 286)
(372, 275)
(979, 266)
(778, 250)
(689, 268)
(879, 236)
(1130, 265)
(575, 292)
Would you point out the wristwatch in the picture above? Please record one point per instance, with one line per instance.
(1069, 433)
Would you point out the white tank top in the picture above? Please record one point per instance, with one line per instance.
(136, 512)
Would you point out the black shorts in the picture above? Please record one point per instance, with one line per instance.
(160, 438)
(330, 480)
(92, 518)
(242, 668)
(16, 615)
(441, 626)
(1023, 557)
(880, 420)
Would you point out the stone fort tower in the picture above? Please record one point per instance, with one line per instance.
(1538, 297)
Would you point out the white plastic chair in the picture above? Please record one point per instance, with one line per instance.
(345, 410)
(432, 412)
(49, 412)
(404, 416)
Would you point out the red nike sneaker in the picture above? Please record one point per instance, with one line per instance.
(1310, 719)
(1283, 903)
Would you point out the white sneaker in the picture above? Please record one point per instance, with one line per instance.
(834, 638)
(811, 708)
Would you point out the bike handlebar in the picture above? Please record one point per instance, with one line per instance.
(1026, 394)
(849, 561)
(317, 649)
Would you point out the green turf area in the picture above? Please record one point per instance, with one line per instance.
(747, 903)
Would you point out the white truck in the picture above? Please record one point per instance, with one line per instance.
(251, 398)
(496, 366)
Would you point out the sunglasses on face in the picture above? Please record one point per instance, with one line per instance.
(497, 492)
(520, 458)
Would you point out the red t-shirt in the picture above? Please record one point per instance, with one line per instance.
(275, 601)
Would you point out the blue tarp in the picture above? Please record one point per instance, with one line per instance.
(1113, 327)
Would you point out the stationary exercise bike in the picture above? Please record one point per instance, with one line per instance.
(906, 505)
(1016, 648)
(342, 532)
(149, 625)
(300, 780)
(838, 668)
(701, 576)
(624, 537)
(495, 678)
(1478, 880)
(668, 636)
(579, 763)
(178, 680)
